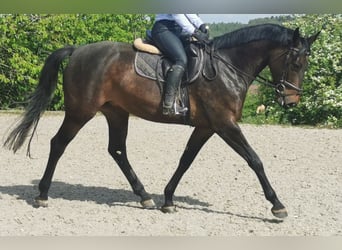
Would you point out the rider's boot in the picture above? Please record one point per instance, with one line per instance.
(174, 78)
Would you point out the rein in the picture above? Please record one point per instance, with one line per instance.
(281, 85)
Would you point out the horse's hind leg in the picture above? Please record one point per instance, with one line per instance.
(118, 126)
(59, 142)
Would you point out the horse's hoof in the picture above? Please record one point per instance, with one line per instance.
(148, 204)
(169, 209)
(279, 213)
(39, 202)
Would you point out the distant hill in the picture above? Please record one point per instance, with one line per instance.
(217, 29)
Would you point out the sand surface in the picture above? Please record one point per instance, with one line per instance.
(219, 195)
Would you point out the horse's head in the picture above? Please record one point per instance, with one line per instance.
(289, 67)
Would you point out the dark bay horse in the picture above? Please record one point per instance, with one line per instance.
(100, 77)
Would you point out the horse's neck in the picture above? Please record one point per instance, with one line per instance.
(250, 59)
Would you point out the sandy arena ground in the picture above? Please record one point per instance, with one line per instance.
(219, 195)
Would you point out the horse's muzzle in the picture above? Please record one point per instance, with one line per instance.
(288, 101)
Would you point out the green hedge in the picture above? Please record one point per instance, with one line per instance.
(321, 102)
(26, 41)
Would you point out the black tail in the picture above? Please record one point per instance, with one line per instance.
(39, 100)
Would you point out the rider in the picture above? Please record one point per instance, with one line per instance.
(169, 32)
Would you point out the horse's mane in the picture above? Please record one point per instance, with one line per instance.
(271, 32)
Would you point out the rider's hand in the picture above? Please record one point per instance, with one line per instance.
(201, 37)
(204, 28)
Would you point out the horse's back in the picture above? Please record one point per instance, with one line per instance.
(99, 53)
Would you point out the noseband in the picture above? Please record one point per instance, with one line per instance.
(284, 83)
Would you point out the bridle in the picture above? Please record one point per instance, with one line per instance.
(283, 84)
(292, 56)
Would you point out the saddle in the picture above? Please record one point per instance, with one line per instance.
(152, 64)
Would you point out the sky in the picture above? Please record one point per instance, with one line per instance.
(232, 18)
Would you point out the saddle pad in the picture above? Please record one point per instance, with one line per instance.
(155, 66)
(148, 65)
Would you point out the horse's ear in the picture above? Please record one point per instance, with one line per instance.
(296, 37)
(313, 38)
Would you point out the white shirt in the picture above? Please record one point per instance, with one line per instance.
(188, 22)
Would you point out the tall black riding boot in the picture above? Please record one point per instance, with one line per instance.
(174, 78)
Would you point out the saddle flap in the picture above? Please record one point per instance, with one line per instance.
(156, 66)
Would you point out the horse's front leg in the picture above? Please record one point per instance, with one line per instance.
(233, 136)
(198, 138)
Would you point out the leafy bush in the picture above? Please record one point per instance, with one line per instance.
(26, 41)
(321, 101)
